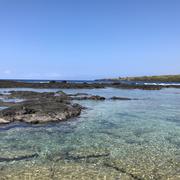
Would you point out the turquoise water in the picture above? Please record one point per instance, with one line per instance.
(137, 139)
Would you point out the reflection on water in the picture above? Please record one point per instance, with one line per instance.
(111, 140)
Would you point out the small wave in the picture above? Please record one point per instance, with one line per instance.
(43, 82)
(160, 84)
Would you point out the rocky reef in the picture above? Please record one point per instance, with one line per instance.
(70, 85)
(34, 107)
(39, 108)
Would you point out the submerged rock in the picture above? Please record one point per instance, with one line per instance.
(19, 158)
(120, 98)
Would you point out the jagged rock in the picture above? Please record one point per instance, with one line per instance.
(39, 107)
(40, 111)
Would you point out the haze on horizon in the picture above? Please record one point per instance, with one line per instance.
(88, 39)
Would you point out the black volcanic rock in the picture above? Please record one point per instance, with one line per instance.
(30, 94)
(40, 111)
(51, 84)
(94, 98)
(39, 107)
(69, 85)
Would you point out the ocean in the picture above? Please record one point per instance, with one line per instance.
(137, 139)
(98, 81)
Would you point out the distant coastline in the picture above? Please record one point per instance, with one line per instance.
(161, 78)
(97, 84)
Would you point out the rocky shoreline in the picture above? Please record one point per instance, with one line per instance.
(39, 108)
(35, 107)
(69, 85)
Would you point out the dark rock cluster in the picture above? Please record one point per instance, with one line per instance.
(71, 85)
(39, 108)
(44, 107)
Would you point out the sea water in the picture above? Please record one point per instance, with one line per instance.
(137, 139)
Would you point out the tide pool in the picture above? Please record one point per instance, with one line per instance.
(137, 139)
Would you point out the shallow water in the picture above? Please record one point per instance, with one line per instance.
(137, 139)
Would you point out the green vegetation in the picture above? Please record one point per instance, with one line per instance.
(162, 78)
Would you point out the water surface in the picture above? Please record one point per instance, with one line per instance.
(137, 139)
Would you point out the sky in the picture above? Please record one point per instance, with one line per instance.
(88, 39)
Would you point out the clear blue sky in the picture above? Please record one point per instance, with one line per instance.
(88, 39)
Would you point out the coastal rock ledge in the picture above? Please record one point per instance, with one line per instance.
(41, 110)
(36, 107)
